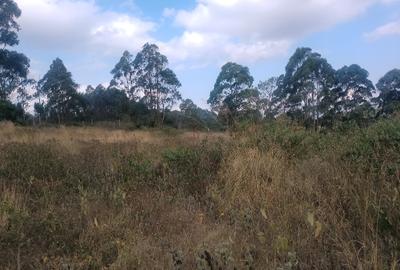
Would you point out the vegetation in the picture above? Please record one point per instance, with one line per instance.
(275, 196)
(14, 66)
(144, 92)
(301, 171)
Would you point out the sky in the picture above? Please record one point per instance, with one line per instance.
(199, 36)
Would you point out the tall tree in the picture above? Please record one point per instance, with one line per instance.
(195, 117)
(158, 84)
(168, 94)
(14, 66)
(89, 89)
(308, 86)
(124, 75)
(63, 100)
(270, 104)
(188, 107)
(9, 27)
(389, 87)
(355, 92)
(233, 94)
(106, 104)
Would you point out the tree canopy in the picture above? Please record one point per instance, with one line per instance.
(63, 100)
(389, 87)
(308, 86)
(233, 94)
(9, 12)
(14, 66)
(158, 84)
(124, 76)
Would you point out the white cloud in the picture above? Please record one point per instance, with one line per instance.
(389, 29)
(169, 12)
(197, 49)
(80, 25)
(213, 32)
(251, 30)
(274, 19)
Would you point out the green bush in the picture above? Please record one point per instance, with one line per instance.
(194, 168)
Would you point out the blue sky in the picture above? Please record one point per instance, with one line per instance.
(199, 36)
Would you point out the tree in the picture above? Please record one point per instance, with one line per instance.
(11, 112)
(124, 75)
(14, 66)
(389, 87)
(233, 94)
(195, 117)
(9, 12)
(23, 97)
(158, 84)
(63, 100)
(89, 89)
(308, 87)
(188, 107)
(269, 92)
(40, 110)
(355, 92)
(168, 95)
(106, 104)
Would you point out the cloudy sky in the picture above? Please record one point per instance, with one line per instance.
(199, 36)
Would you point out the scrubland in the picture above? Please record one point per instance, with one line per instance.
(271, 196)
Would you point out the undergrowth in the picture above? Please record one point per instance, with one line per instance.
(274, 196)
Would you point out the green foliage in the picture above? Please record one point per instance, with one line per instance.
(389, 87)
(147, 77)
(9, 12)
(193, 168)
(14, 66)
(64, 103)
(233, 95)
(194, 117)
(307, 86)
(124, 77)
(106, 104)
(10, 112)
(188, 107)
(355, 87)
(158, 83)
(270, 97)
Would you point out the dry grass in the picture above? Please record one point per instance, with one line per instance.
(11, 134)
(267, 198)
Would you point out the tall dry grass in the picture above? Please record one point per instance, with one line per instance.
(268, 197)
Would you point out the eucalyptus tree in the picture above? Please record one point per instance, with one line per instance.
(106, 104)
(188, 107)
(198, 118)
(270, 103)
(157, 83)
(308, 87)
(355, 93)
(233, 95)
(89, 89)
(63, 100)
(124, 76)
(14, 66)
(389, 88)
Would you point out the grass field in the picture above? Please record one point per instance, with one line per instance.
(265, 197)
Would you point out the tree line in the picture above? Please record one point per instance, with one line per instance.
(144, 90)
(310, 92)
